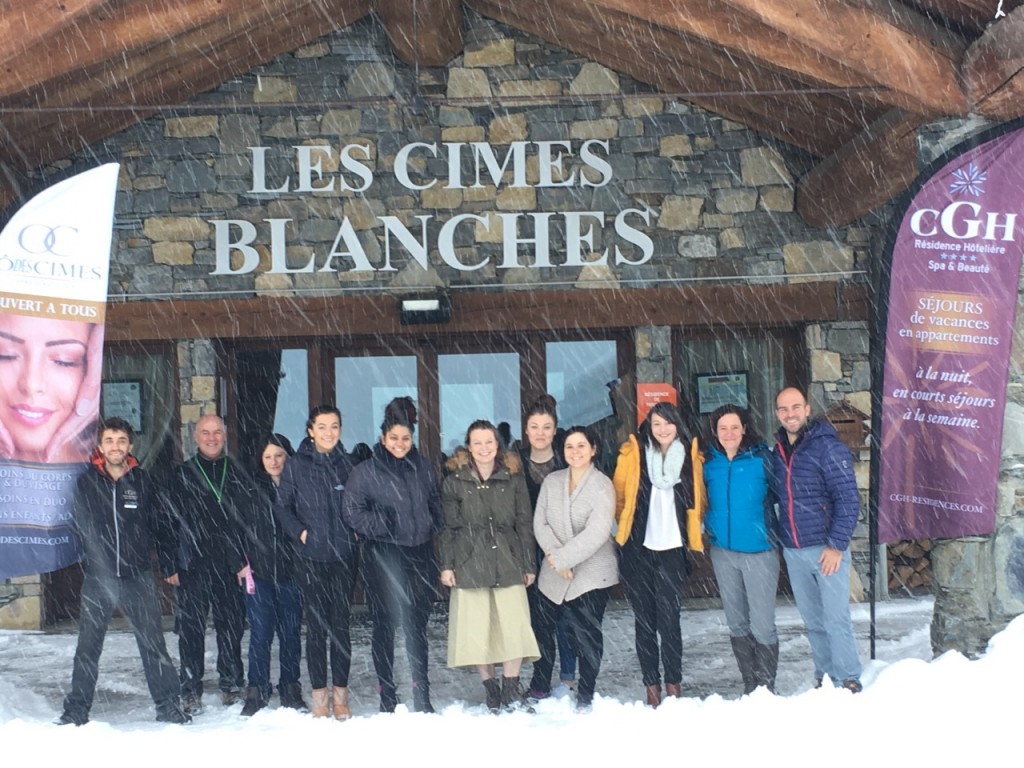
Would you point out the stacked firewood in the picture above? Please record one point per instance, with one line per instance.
(910, 566)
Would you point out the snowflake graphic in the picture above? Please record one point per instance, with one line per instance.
(968, 180)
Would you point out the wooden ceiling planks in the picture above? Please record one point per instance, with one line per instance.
(136, 87)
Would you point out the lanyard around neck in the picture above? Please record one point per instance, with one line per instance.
(218, 492)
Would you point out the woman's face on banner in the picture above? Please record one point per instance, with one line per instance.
(42, 365)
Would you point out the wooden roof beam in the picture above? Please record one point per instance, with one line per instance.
(855, 43)
(993, 69)
(158, 75)
(817, 122)
(427, 32)
(868, 171)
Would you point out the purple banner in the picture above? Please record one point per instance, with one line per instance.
(952, 300)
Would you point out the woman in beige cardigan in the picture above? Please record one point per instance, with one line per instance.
(573, 526)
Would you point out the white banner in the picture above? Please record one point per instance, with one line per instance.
(54, 265)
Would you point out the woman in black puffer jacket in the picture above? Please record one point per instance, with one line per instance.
(308, 507)
(392, 502)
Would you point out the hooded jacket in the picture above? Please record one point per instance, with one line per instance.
(818, 498)
(488, 526)
(395, 501)
(310, 499)
(117, 521)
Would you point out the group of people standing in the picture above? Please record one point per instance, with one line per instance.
(530, 540)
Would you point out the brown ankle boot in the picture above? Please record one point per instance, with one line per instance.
(675, 690)
(320, 707)
(341, 710)
(653, 695)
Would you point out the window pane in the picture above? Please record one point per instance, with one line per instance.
(578, 375)
(363, 386)
(480, 386)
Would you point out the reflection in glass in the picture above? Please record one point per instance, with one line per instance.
(363, 386)
(273, 396)
(578, 374)
(477, 386)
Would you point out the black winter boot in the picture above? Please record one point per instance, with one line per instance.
(766, 664)
(493, 687)
(253, 701)
(513, 698)
(743, 650)
(291, 696)
(388, 698)
(421, 697)
(170, 712)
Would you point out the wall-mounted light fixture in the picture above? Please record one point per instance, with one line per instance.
(417, 310)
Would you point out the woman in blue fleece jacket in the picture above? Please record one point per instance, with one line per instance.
(740, 523)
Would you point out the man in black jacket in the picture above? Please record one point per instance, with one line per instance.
(116, 523)
(208, 497)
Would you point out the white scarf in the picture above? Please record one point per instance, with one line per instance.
(664, 471)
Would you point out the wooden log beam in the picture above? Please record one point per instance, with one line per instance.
(973, 15)
(427, 32)
(856, 43)
(766, 100)
(870, 170)
(133, 89)
(483, 312)
(25, 23)
(993, 70)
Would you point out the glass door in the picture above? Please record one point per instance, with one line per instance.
(363, 386)
(474, 386)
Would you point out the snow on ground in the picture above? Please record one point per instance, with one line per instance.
(942, 712)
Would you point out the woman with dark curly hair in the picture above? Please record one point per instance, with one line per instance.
(393, 504)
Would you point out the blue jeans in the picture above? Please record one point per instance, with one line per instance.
(275, 608)
(824, 605)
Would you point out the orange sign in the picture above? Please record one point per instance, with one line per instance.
(648, 395)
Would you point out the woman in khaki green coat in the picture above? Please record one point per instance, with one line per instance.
(487, 558)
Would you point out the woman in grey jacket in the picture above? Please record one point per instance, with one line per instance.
(573, 526)
(487, 558)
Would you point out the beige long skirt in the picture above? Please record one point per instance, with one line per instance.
(489, 626)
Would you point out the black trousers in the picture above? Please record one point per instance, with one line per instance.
(326, 601)
(585, 615)
(654, 586)
(400, 587)
(202, 589)
(138, 599)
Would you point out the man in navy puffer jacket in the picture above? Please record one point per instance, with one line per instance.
(818, 509)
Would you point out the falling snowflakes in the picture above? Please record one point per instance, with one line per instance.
(968, 180)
